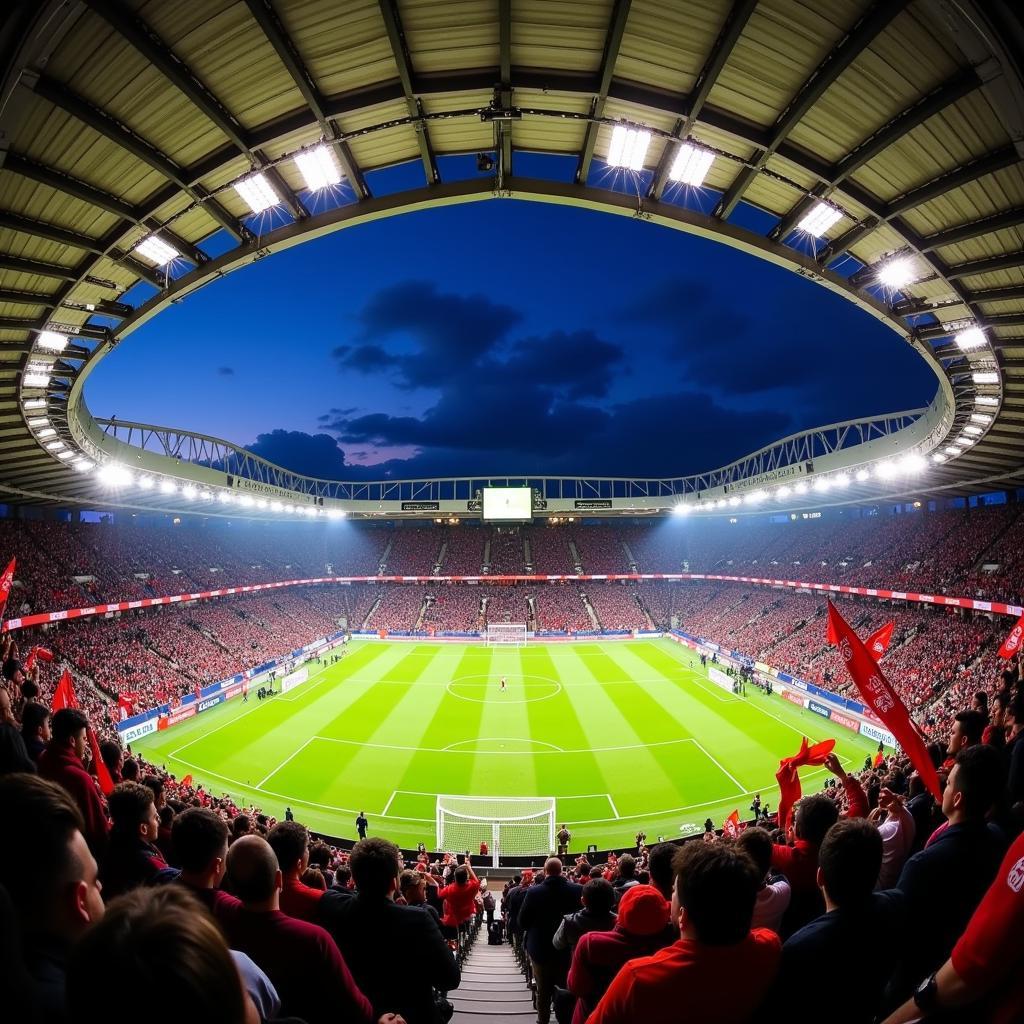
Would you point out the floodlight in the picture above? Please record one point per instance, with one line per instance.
(114, 475)
(157, 251)
(862, 475)
(842, 479)
(980, 417)
(65, 455)
(318, 168)
(821, 217)
(733, 501)
(721, 503)
(46, 432)
(885, 470)
(51, 341)
(628, 147)
(262, 503)
(964, 442)
(246, 500)
(897, 273)
(38, 421)
(257, 192)
(782, 492)
(40, 403)
(54, 446)
(989, 400)
(276, 506)
(335, 513)
(146, 483)
(681, 509)
(224, 497)
(973, 430)
(950, 450)
(754, 497)
(189, 491)
(822, 484)
(691, 164)
(34, 379)
(985, 377)
(206, 495)
(83, 465)
(800, 488)
(938, 457)
(913, 463)
(970, 338)
(167, 487)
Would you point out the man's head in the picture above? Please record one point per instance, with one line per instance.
(35, 722)
(757, 844)
(200, 840)
(413, 886)
(968, 727)
(171, 959)
(130, 770)
(552, 866)
(375, 865)
(253, 872)
(156, 785)
(974, 784)
(849, 861)
(113, 756)
(815, 815)
(68, 727)
(45, 863)
(290, 841)
(133, 811)
(1015, 713)
(461, 875)
(716, 887)
(598, 897)
(627, 866)
(659, 864)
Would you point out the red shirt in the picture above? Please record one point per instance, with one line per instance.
(59, 763)
(300, 900)
(303, 962)
(799, 863)
(720, 983)
(460, 902)
(990, 954)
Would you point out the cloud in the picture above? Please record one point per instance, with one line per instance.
(309, 454)
(225, 371)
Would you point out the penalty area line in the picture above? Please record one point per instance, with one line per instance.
(611, 803)
(387, 806)
(294, 753)
(718, 764)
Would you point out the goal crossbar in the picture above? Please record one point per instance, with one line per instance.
(513, 826)
(513, 633)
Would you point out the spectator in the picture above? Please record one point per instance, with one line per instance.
(290, 842)
(718, 969)
(413, 887)
(542, 910)
(625, 877)
(897, 829)
(301, 959)
(131, 858)
(944, 883)
(814, 816)
(855, 918)
(35, 728)
(370, 929)
(596, 916)
(199, 839)
(62, 762)
(459, 899)
(968, 728)
(659, 863)
(642, 928)
(774, 893)
(52, 880)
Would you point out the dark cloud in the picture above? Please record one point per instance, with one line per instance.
(309, 454)
(226, 371)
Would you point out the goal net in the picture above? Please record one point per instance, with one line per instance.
(511, 826)
(513, 633)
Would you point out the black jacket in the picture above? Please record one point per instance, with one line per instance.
(396, 954)
(542, 911)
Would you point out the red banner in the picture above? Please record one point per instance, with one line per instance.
(878, 643)
(6, 582)
(876, 692)
(731, 825)
(1011, 645)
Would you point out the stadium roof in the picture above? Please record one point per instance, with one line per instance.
(125, 120)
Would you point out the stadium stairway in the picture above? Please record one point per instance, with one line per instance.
(493, 990)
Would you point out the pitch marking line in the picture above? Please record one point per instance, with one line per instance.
(394, 793)
(611, 803)
(507, 753)
(294, 753)
(718, 764)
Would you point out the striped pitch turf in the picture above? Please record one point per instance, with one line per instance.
(625, 735)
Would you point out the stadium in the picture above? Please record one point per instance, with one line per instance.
(592, 678)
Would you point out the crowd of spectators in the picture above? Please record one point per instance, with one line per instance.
(560, 607)
(399, 608)
(454, 607)
(505, 552)
(464, 551)
(616, 606)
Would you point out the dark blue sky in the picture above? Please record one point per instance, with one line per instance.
(508, 337)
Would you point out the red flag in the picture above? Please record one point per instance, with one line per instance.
(878, 643)
(38, 654)
(187, 781)
(1011, 645)
(98, 764)
(125, 707)
(64, 695)
(731, 825)
(788, 777)
(879, 759)
(6, 582)
(876, 692)
(830, 634)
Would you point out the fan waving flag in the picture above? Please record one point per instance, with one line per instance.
(731, 825)
(64, 695)
(878, 643)
(788, 776)
(1011, 645)
(6, 582)
(98, 764)
(874, 688)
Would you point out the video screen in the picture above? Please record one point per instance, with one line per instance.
(508, 504)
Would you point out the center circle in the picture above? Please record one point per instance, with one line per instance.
(520, 688)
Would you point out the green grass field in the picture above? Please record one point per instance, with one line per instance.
(624, 735)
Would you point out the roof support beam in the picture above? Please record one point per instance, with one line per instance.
(400, 52)
(267, 18)
(23, 266)
(856, 41)
(502, 128)
(1008, 261)
(1010, 293)
(971, 171)
(612, 43)
(140, 36)
(40, 229)
(70, 186)
(20, 298)
(60, 96)
(974, 229)
(735, 22)
(848, 239)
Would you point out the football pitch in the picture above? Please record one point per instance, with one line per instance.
(625, 735)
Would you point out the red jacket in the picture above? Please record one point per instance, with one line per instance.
(460, 902)
(300, 900)
(60, 763)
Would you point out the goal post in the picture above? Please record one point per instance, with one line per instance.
(511, 826)
(506, 633)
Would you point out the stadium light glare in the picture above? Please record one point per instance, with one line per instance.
(206, 495)
(783, 491)
(146, 483)
(157, 251)
(985, 377)
(987, 400)
(913, 463)
(51, 341)
(65, 455)
(721, 503)
(980, 417)
(938, 457)
(113, 474)
(246, 501)
(681, 509)
(35, 403)
(224, 497)
(885, 470)
(964, 442)
(973, 430)
(318, 168)
(970, 338)
(189, 491)
(821, 217)
(276, 506)
(842, 479)
(46, 432)
(335, 513)
(897, 273)
(800, 488)
(257, 192)
(38, 421)
(822, 484)
(33, 379)
(83, 465)
(54, 446)
(691, 164)
(262, 503)
(734, 501)
(862, 475)
(167, 487)
(950, 450)
(628, 147)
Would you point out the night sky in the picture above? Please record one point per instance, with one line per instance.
(508, 338)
